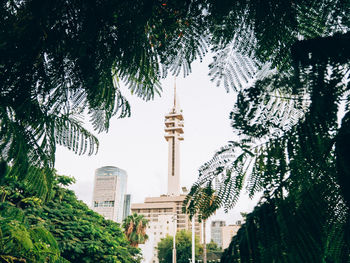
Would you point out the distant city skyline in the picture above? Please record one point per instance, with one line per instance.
(137, 143)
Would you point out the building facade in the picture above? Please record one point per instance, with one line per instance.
(216, 231)
(109, 192)
(228, 232)
(127, 206)
(165, 217)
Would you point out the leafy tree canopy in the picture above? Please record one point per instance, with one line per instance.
(214, 252)
(58, 60)
(23, 242)
(62, 60)
(75, 232)
(288, 61)
(212, 246)
(183, 243)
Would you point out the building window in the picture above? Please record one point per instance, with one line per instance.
(104, 204)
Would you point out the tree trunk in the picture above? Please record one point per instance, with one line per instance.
(204, 243)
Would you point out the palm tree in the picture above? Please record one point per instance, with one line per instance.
(135, 229)
(203, 202)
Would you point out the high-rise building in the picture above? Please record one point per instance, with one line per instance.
(127, 205)
(216, 231)
(109, 192)
(165, 212)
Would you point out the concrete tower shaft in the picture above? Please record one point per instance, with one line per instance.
(173, 134)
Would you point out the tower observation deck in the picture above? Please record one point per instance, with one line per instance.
(174, 123)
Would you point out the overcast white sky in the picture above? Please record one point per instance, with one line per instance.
(137, 144)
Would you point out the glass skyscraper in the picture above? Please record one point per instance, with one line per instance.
(109, 193)
(127, 205)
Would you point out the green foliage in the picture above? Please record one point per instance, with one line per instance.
(21, 241)
(288, 61)
(165, 249)
(135, 229)
(201, 201)
(204, 203)
(183, 243)
(63, 61)
(212, 247)
(77, 233)
(277, 230)
(293, 127)
(214, 252)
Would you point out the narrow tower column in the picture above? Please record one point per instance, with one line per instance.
(173, 134)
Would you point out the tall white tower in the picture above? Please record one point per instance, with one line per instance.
(173, 134)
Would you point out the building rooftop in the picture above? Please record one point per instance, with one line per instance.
(103, 171)
(165, 198)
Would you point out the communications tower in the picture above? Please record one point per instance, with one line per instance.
(174, 123)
